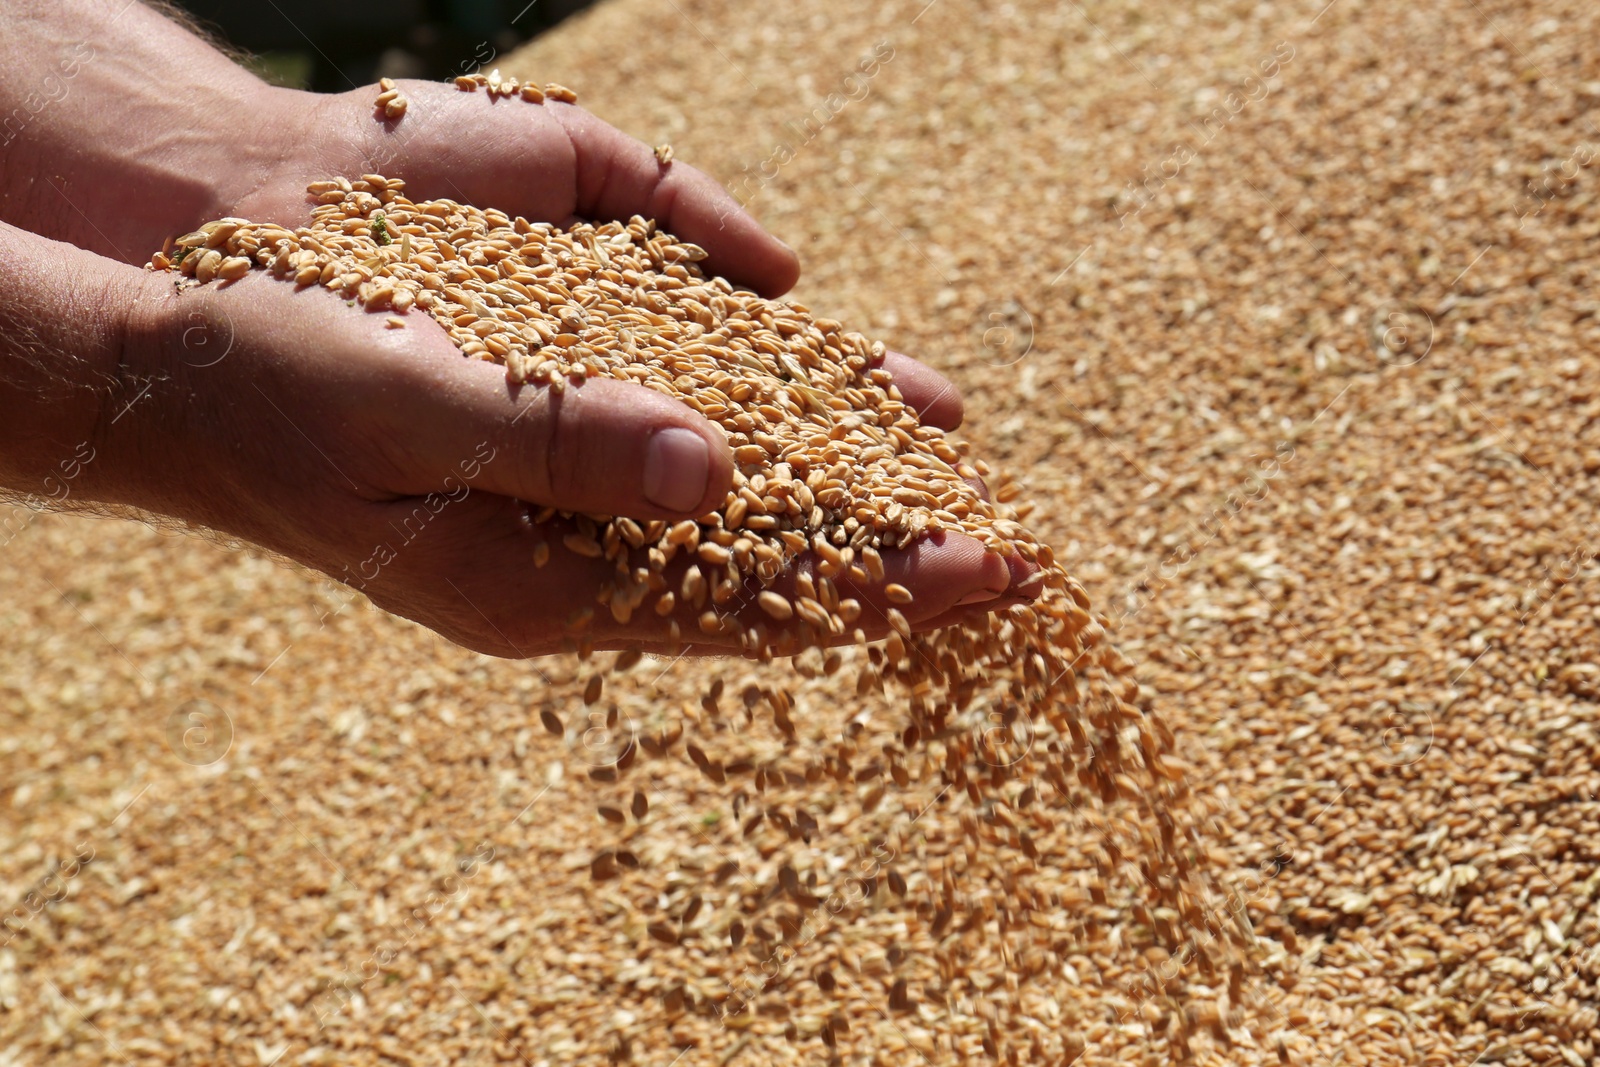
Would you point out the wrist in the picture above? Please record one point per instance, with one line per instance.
(181, 428)
(222, 158)
(141, 418)
(63, 317)
(149, 130)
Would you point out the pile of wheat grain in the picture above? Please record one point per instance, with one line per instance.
(1020, 725)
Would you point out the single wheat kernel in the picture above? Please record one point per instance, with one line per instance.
(583, 546)
(233, 267)
(775, 605)
(205, 268)
(898, 620)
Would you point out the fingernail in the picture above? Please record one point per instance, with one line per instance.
(1031, 586)
(677, 465)
(999, 580)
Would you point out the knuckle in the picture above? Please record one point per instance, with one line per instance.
(562, 448)
(537, 445)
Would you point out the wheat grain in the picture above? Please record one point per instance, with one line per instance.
(832, 466)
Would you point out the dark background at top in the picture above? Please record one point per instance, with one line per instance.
(333, 45)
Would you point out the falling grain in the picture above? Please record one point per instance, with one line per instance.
(832, 466)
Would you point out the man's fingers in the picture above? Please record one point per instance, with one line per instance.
(472, 559)
(602, 447)
(935, 398)
(943, 570)
(937, 401)
(618, 177)
(947, 574)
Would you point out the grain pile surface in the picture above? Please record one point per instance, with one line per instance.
(1285, 315)
(821, 900)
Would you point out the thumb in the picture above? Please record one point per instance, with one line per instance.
(601, 446)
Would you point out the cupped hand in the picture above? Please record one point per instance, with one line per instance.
(348, 445)
(549, 162)
(383, 458)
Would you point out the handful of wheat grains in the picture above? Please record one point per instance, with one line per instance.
(1023, 722)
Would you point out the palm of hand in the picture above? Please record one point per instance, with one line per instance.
(371, 436)
(548, 162)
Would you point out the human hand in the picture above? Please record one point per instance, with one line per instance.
(549, 162)
(382, 458)
(212, 140)
(554, 162)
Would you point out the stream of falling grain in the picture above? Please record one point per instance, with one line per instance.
(1063, 851)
